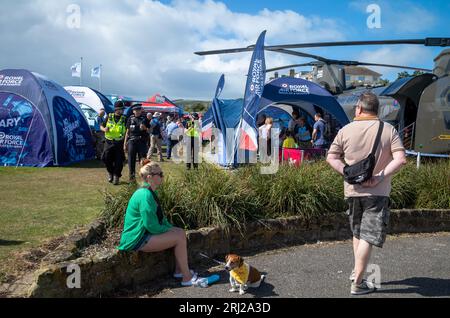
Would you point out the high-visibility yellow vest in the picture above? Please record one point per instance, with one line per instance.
(193, 129)
(116, 129)
(289, 143)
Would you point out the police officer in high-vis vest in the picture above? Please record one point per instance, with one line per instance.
(193, 142)
(113, 155)
(136, 139)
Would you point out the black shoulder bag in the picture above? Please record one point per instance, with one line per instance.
(363, 170)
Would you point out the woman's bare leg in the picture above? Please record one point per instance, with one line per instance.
(176, 238)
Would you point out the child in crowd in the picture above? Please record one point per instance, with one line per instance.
(289, 141)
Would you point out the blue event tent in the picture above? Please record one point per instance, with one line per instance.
(40, 123)
(280, 97)
(303, 94)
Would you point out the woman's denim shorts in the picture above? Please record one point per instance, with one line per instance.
(143, 241)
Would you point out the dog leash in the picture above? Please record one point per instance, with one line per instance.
(206, 256)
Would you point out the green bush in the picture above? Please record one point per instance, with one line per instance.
(425, 188)
(212, 196)
(207, 197)
(116, 205)
(433, 186)
(310, 190)
(404, 187)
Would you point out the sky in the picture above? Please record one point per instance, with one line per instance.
(146, 47)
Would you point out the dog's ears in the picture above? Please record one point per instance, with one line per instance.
(241, 261)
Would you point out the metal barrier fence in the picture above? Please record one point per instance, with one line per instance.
(420, 155)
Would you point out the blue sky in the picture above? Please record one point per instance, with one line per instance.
(146, 46)
(429, 19)
(400, 19)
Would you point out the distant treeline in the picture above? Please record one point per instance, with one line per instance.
(190, 106)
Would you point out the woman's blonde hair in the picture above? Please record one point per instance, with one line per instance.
(269, 121)
(149, 167)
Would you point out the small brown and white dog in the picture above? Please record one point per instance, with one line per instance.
(242, 275)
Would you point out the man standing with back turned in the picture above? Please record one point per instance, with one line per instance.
(369, 201)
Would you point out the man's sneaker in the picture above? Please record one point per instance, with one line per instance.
(352, 276)
(364, 288)
(110, 177)
(116, 180)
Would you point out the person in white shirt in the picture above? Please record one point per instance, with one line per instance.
(265, 135)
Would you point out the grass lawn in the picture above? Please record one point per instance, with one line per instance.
(38, 204)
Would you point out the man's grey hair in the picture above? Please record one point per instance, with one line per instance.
(369, 102)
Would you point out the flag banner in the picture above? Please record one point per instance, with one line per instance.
(253, 91)
(210, 117)
(76, 70)
(96, 72)
(220, 86)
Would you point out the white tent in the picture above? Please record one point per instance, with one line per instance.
(90, 97)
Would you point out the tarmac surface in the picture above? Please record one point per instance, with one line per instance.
(409, 266)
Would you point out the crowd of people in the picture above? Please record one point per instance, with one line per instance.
(146, 228)
(142, 135)
(298, 135)
(117, 137)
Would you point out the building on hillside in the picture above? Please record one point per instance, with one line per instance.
(306, 75)
(359, 76)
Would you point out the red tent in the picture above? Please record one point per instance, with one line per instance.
(158, 103)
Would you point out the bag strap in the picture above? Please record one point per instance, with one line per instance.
(377, 140)
(159, 210)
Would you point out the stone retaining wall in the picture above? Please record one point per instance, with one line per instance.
(111, 270)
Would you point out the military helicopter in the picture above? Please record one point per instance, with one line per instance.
(419, 107)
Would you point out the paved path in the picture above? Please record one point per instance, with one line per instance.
(410, 265)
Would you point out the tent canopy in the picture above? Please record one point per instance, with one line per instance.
(40, 123)
(279, 99)
(162, 104)
(90, 97)
(90, 101)
(303, 94)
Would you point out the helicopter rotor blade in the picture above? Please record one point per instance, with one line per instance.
(225, 51)
(396, 66)
(442, 42)
(301, 54)
(349, 63)
(427, 42)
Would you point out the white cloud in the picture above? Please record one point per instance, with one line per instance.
(404, 56)
(146, 46)
(400, 17)
(414, 20)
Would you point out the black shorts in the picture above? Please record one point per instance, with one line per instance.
(369, 218)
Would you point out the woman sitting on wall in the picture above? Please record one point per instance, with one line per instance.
(146, 229)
